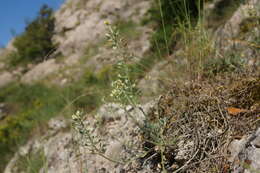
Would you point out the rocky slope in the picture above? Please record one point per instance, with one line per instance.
(80, 27)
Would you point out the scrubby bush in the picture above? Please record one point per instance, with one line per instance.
(35, 42)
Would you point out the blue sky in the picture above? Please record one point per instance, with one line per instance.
(13, 14)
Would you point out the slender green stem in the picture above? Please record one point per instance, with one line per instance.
(164, 30)
(96, 150)
(105, 157)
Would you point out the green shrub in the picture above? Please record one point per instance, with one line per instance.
(12, 59)
(35, 42)
(33, 105)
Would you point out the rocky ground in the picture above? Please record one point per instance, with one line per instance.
(209, 125)
(214, 134)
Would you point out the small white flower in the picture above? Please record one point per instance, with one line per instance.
(78, 113)
(74, 117)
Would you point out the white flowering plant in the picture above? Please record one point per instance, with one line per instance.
(124, 89)
(87, 138)
(86, 133)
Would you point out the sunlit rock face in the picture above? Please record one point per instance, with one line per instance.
(79, 23)
(246, 151)
(240, 30)
(6, 78)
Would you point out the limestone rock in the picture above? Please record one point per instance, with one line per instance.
(153, 83)
(10, 46)
(63, 154)
(40, 71)
(239, 32)
(6, 78)
(2, 65)
(79, 23)
(245, 153)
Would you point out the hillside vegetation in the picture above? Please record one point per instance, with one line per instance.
(160, 86)
(35, 44)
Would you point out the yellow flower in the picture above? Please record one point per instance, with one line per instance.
(106, 22)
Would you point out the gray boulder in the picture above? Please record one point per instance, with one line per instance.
(245, 153)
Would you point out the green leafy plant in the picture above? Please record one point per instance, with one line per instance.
(35, 43)
(33, 105)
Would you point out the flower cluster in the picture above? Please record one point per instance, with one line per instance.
(123, 90)
(76, 116)
(113, 36)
